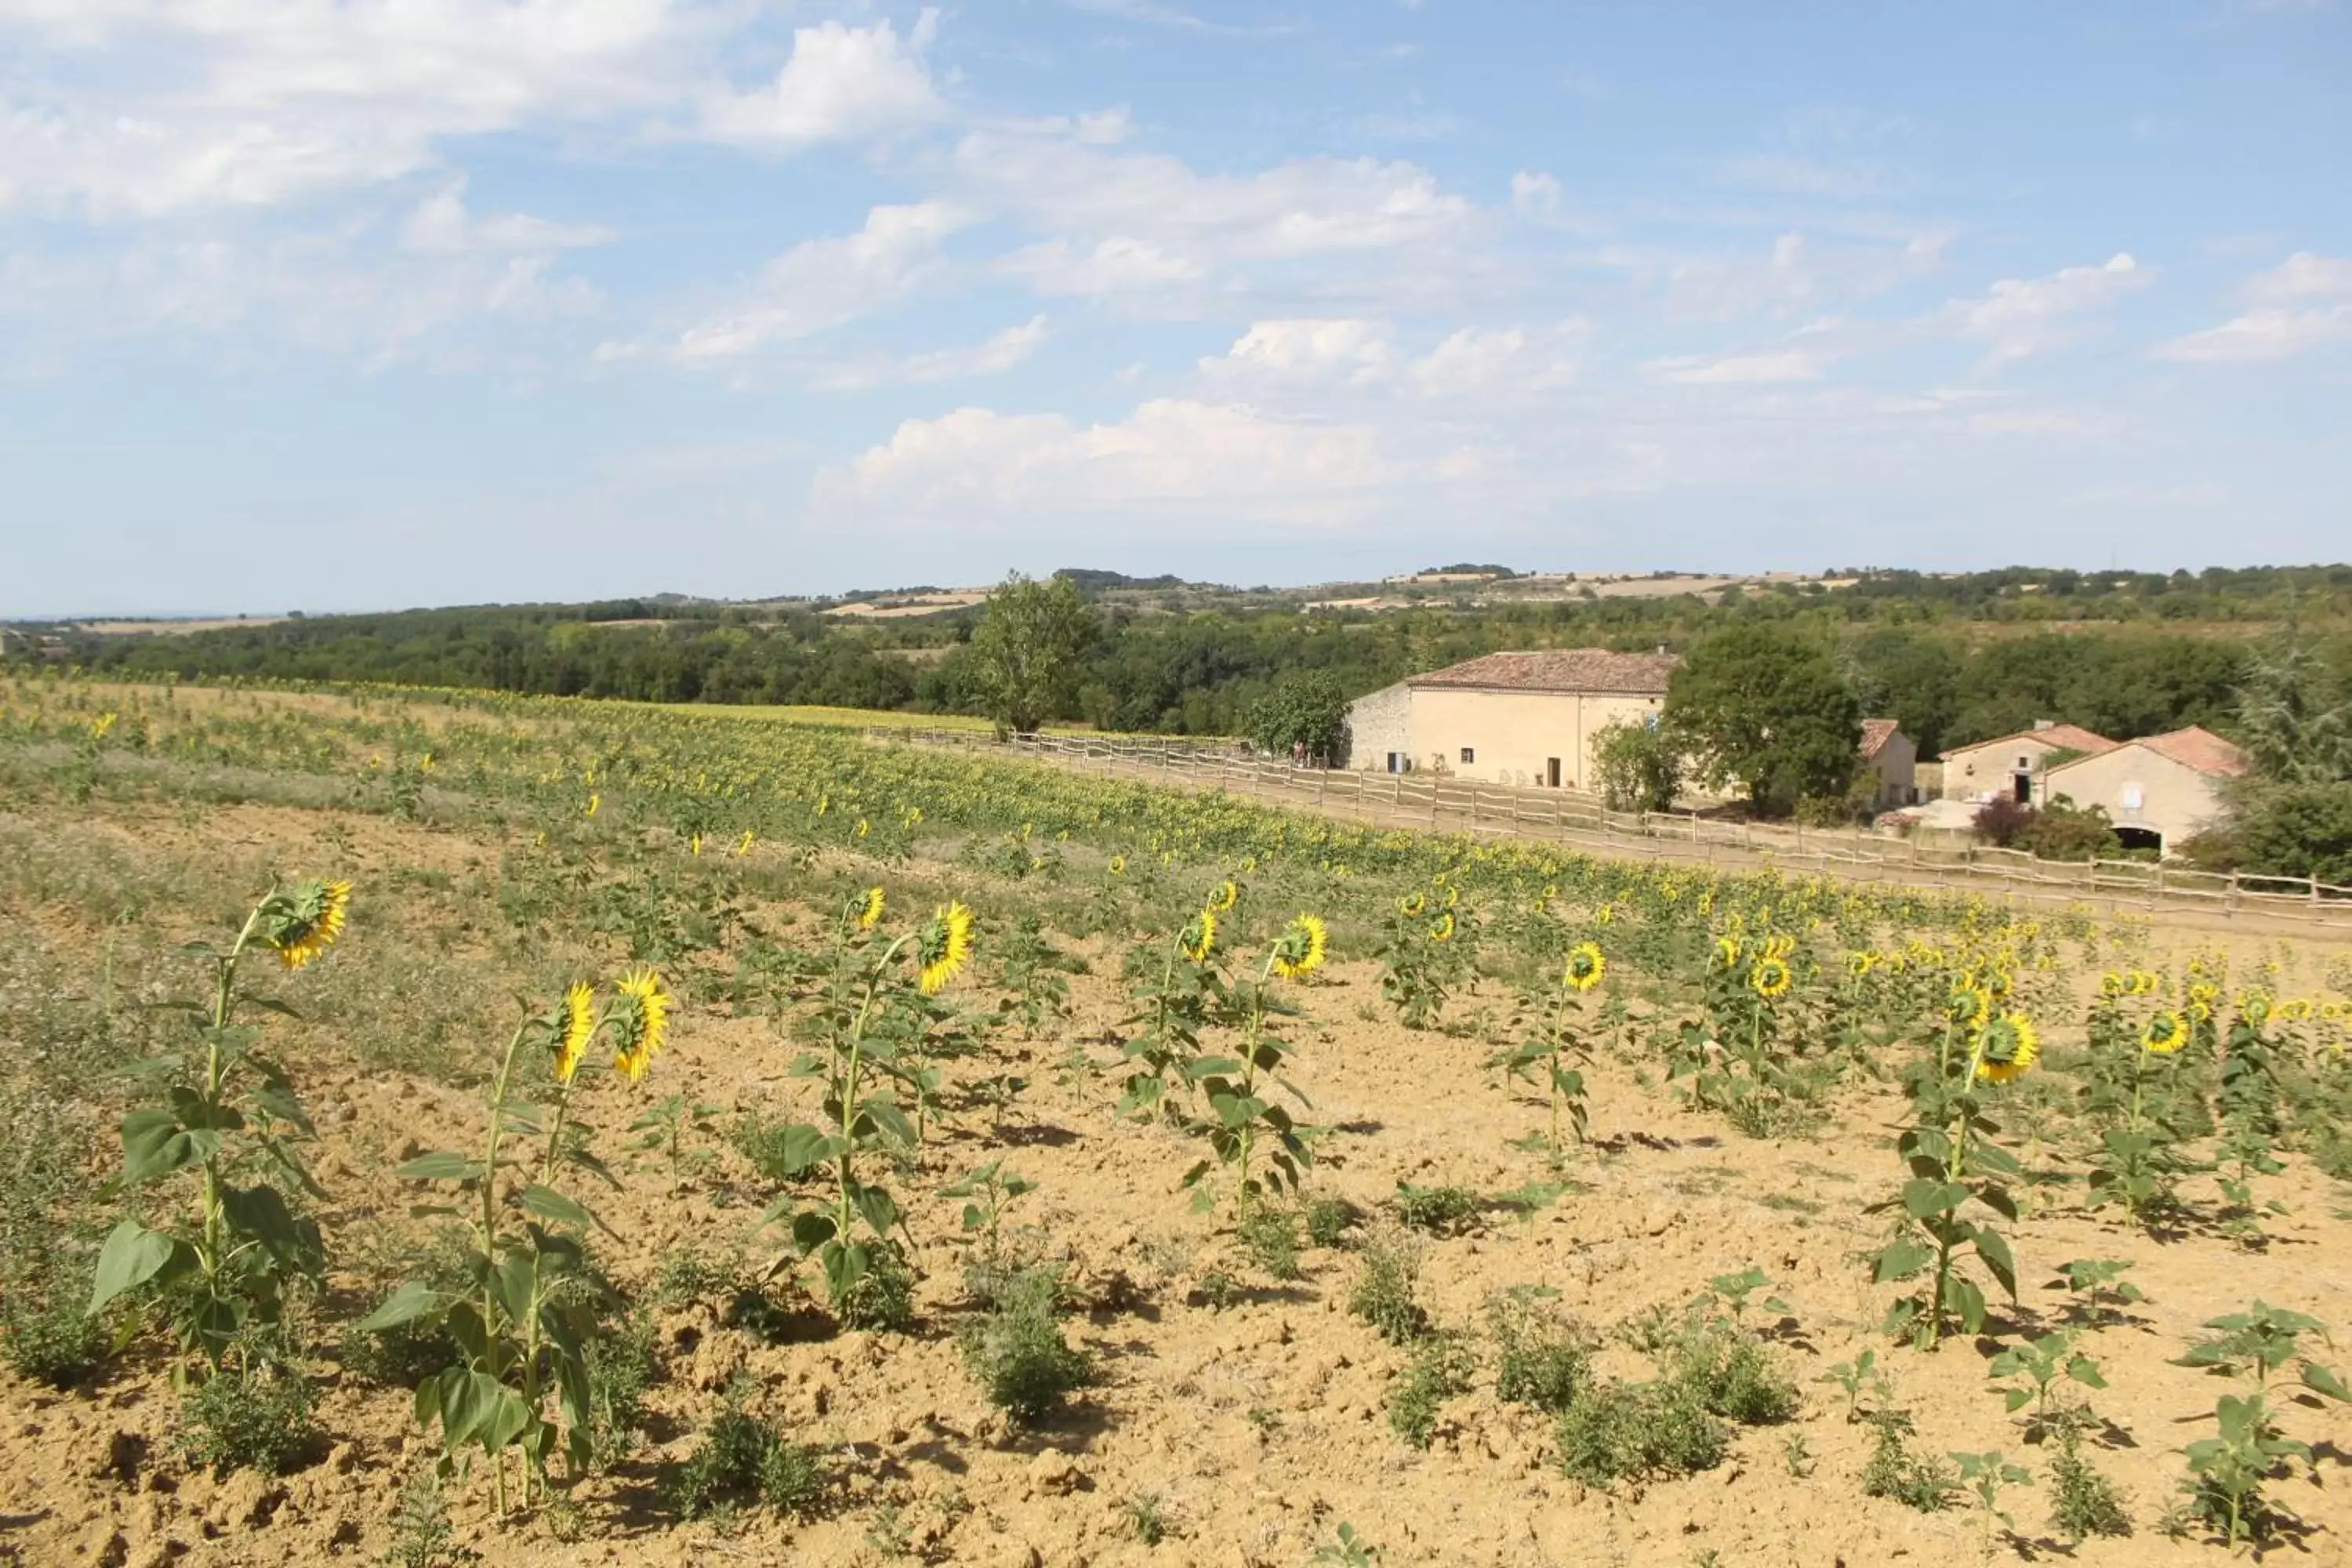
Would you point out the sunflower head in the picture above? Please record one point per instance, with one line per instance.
(640, 1019)
(869, 908)
(575, 1026)
(1770, 977)
(1967, 1007)
(2295, 1010)
(1453, 895)
(1585, 967)
(1862, 962)
(2007, 1049)
(301, 924)
(2165, 1033)
(1412, 905)
(2111, 984)
(1119, 865)
(1198, 940)
(1441, 927)
(2255, 1007)
(1300, 949)
(1726, 952)
(1225, 895)
(942, 947)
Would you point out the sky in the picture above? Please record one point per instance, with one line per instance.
(351, 304)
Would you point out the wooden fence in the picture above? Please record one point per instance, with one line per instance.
(1428, 802)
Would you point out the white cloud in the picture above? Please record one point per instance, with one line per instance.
(1472, 361)
(823, 283)
(1774, 365)
(1307, 352)
(1209, 460)
(1534, 194)
(441, 224)
(1115, 265)
(271, 101)
(841, 84)
(1000, 353)
(1307, 206)
(2021, 316)
(2285, 322)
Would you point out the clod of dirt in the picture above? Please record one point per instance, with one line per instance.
(1053, 1474)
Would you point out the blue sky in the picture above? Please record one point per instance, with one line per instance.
(366, 303)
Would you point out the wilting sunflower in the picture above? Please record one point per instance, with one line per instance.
(593, 802)
(1410, 906)
(1585, 967)
(1198, 937)
(1726, 951)
(640, 1019)
(308, 921)
(1968, 1006)
(1453, 896)
(743, 844)
(1441, 927)
(1249, 865)
(2165, 1033)
(1225, 895)
(1779, 946)
(944, 947)
(2008, 1049)
(575, 1021)
(1299, 950)
(1770, 977)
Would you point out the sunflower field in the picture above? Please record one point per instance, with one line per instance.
(449, 1128)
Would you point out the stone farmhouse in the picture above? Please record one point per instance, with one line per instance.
(2012, 766)
(1532, 721)
(1523, 719)
(2158, 790)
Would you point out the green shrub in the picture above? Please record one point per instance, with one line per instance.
(622, 1367)
(1383, 1296)
(883, 1300)
(260, 1420)
(1440, 1368)
(1894, 1472)
(1646, 1430)
(741, 1460)
(2083, 1502)
(1440, 1211)
(1270, 1237)
(1539, 1360)
(1730, 1372)
(421, 1537)
(1016, 1352)
(1329, 1220)
(47, 1336)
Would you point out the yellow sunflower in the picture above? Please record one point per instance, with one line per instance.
(576, 1027)
(1411, 905)
(1726, 951)
(1453, 896)
(869, 913)
(944, 947)
(1299, 950)
(743, 844)
(1227, 895)
(2255, 1007)
(593, 802)
(1119, 865)
(2295, 1010)
(307, 921)
(2165, 1033)
(2111, 984)
(1968, 1006)
(1441, 927)
(1199, 938)
(1861, 963)
(1585, 967)
(640, 1021)
(1770, 977)
(2008, 1049)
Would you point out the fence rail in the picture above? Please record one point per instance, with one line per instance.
(1559, 816)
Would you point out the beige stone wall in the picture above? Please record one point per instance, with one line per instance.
(1379, 723)
(1897, 766)
(1979, 773)
(1512, 735)
(2140, 788)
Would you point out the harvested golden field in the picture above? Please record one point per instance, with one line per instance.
(905, 1156)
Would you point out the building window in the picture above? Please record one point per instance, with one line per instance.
(1469, 753)
(2133, 795)
(2024, 764)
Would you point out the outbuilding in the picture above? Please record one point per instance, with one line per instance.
(2157, 790)
(1528, 719)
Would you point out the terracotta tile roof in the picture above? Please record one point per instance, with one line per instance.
(1558, 669)
(1875, 733)
(2198, 749)
(2066, 736)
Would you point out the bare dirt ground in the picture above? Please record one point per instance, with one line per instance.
(1259, 1425)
